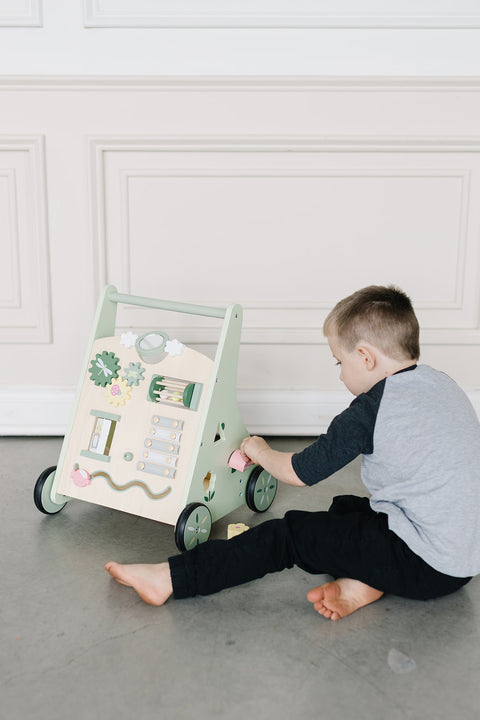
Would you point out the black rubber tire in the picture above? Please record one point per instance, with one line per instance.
(260, 492)
(38, 492)
(188, 530)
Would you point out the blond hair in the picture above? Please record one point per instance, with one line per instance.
(381, 316)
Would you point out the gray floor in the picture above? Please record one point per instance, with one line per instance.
(74, 644)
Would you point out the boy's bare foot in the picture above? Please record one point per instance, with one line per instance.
(152, 582)
(337, 599)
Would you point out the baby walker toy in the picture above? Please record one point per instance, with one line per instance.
(155, 427)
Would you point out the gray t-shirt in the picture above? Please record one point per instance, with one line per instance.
(420, 441)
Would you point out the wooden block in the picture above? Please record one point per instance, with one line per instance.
(236, 529)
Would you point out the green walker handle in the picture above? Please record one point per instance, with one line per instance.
(190, 309)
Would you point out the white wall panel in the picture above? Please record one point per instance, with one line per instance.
(283, 13)
(24, 276)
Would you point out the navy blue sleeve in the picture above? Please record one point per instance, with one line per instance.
(349, 434)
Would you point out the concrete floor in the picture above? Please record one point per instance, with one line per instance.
(74, 644)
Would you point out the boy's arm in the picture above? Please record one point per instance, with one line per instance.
(279, 464)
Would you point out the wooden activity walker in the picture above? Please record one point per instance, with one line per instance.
(155, 427)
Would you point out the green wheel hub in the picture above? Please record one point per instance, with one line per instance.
(193, 526)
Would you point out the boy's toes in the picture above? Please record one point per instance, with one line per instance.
(316, 594)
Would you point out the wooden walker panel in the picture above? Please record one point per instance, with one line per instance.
(154, 423)
(126, 450)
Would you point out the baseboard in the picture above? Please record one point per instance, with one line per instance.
(35, 411)
(290, 412)
(45, 412)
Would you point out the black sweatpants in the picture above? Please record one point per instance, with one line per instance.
(350, 540)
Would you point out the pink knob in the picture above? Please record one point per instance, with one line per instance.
(237, 462)
(80, 477)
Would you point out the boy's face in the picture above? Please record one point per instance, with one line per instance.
(354, 370)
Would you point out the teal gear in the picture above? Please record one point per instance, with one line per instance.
(133, 374)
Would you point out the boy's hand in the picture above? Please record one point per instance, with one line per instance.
(279, 464)
(253, 447)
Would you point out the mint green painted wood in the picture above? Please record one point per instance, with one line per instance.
(189, 309)
(220, 408)
(106, 415)
(95, 456)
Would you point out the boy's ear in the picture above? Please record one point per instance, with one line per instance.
(367, 356)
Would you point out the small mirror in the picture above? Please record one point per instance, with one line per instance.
(151, 346)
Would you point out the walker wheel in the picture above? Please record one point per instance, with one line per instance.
(193, 526)
(261, 490)
(41, 493)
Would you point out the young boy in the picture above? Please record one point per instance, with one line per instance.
(417, 536)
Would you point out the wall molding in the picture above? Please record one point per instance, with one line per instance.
(265, 330)
(218, 83)
(46, 411)
(14, 15)
(26, 318)
(33, 411)
(10, 238)
(287, 143)
(274, 14)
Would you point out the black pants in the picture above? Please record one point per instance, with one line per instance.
(350, 540)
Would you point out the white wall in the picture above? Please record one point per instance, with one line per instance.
(255, 37)
(230, 165)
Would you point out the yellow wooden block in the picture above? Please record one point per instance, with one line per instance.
(236, 529)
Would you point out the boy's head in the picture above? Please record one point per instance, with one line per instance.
(381, 316)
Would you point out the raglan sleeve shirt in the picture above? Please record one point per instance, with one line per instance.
(420, 441)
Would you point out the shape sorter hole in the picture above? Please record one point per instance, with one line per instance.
(209, 482)
(220, 432)
(208, 486)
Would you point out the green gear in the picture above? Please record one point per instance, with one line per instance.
(133, 375)
(104, 368)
